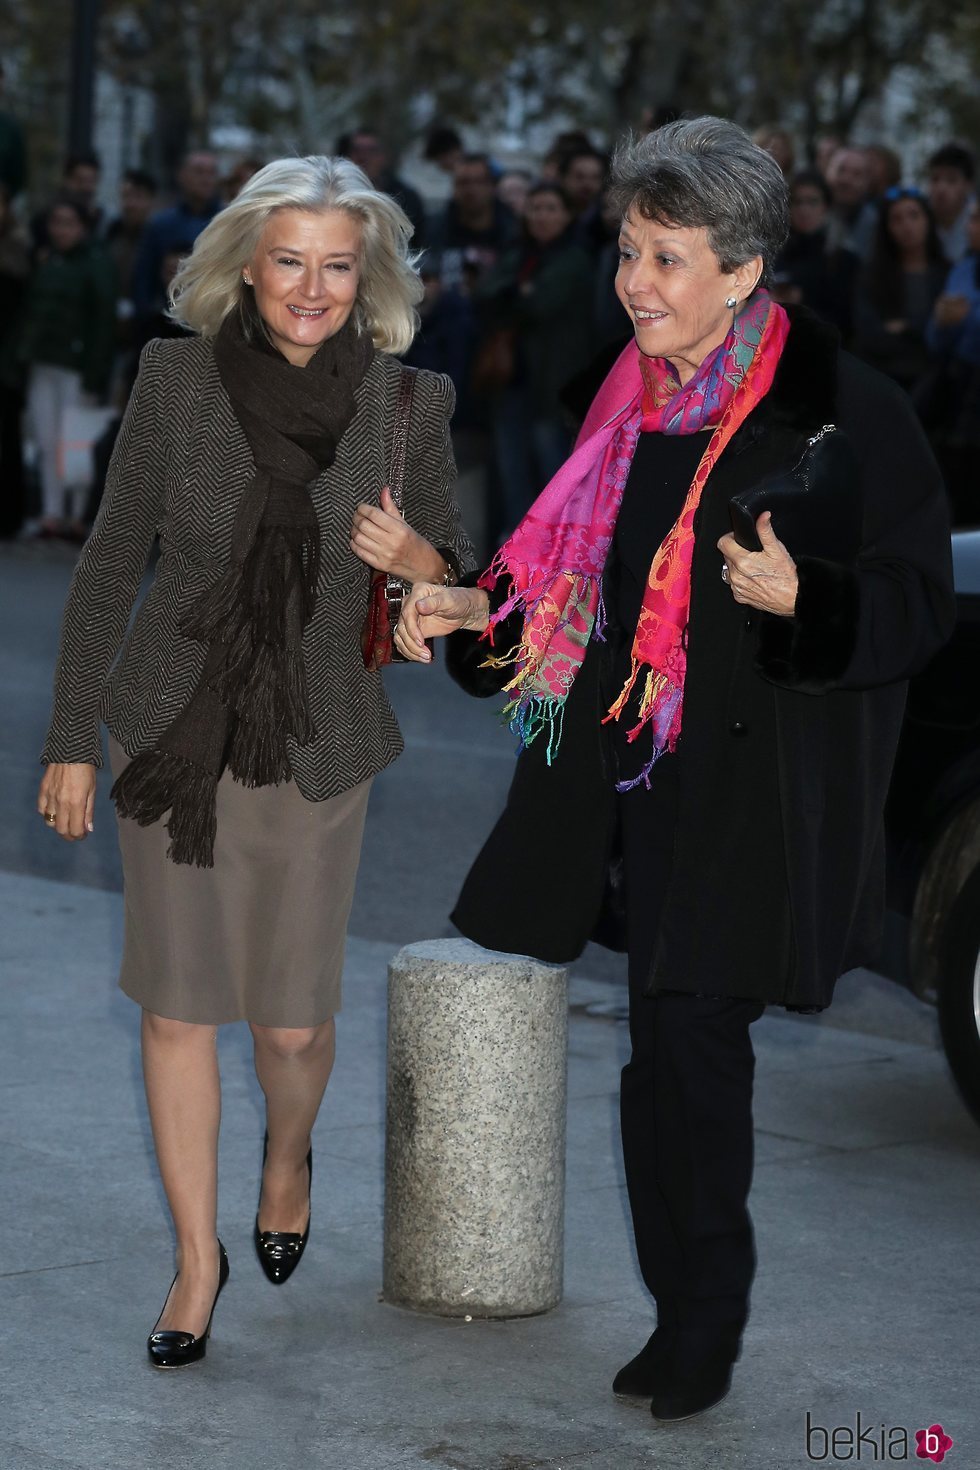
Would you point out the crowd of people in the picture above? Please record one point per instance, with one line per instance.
(520, 308)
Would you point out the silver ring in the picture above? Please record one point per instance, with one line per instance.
(725, 574)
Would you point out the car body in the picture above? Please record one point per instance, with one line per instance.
(932, 941)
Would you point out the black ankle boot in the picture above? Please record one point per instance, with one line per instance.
(280, 1251)
(642, 1375)
(699, 1374)
(177, 1349)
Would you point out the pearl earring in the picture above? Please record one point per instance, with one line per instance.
(247, 280)
(731, 302)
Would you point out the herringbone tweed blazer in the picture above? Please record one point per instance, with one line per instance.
(177, 472)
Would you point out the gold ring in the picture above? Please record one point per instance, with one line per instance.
(50, 818)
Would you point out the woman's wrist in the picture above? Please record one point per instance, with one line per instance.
(480, 616)
(439, 570)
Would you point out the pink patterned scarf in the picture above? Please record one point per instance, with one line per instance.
(555, 558)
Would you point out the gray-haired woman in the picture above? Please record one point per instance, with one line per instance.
(244, 727)
(709, 721)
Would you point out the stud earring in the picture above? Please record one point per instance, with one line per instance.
(731, 302)
(247, 280)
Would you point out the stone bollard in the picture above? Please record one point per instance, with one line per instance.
(475, 1145)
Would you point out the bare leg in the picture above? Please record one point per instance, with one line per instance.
(183, 1090)
(293, 1067)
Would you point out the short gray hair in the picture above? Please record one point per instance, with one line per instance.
(705, 172)
(208, 284)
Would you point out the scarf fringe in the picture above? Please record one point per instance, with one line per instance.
(217, 613)
(503, 660)
(272, 705)
(155, 782)
(529, 718)
(644, 773)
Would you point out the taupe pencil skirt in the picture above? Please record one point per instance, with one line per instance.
(260, 936)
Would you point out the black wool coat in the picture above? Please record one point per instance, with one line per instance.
(795, 718)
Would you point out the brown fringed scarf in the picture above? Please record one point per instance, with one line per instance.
(252, 694)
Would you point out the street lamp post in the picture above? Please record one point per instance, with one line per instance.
(84, 27)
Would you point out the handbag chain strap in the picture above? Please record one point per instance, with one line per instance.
(399, 436)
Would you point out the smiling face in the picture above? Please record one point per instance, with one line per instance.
(305, 274)
(673, 288)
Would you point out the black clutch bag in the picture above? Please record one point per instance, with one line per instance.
(816, 506)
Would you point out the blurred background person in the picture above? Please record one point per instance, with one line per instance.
(144, 329)
(952, 415)
(608, 320)
(513, 187)
(196, 205)
(15, 265)
(79, 184)
(825, 145)
(582, 175)
(534, 307)
(809, 271)
(13, 151)
(898, 289)
(365, 148)
(475, 225)
(951, 172)
(68, 342)
(884, 168)
(778, 143)
(443, 147)
(657, 115)
(123, 240)
(572, 140)
(852, 213)
(444, 341)
(238, 175)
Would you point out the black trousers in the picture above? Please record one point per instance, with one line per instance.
(685, 1107)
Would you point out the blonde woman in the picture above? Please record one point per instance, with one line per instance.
(244, 729)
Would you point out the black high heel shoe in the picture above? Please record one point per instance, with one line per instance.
(280, 1251)
(176, 1349)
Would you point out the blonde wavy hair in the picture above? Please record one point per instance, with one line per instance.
(208, 283)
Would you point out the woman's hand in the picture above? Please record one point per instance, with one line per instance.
(67, 793)
(381, 537)
(764, 579)
(432, 612)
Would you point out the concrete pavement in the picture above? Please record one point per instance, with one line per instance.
(865, 1204)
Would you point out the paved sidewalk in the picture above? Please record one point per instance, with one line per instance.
(865, 1204)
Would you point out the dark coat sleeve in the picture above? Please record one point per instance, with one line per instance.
(109, 571)
(879, 620)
